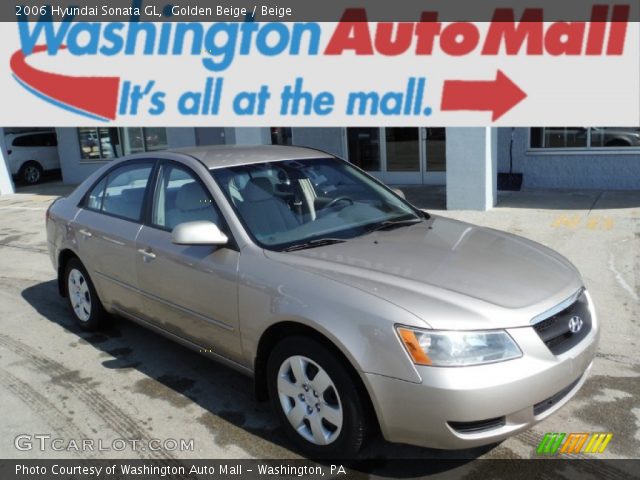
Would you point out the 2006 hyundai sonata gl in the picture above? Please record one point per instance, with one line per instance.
(350, 308)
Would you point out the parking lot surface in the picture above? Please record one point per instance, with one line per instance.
(129, 383)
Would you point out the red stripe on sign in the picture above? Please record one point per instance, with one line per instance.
(96, 95)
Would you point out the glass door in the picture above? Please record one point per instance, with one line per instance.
(403, 156)
(399, 155)
(435, 155)
(363, 149)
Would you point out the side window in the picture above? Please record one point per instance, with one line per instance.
(180, 198)
(36, 140)
(49, 140)
(124, 190)
(24, 141)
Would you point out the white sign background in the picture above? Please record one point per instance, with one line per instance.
(564, 90)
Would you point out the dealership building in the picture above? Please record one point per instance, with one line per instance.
(466, 161)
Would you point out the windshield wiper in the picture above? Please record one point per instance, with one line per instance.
(391, 224)
(313, 243)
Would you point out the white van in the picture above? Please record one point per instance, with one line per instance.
(30, 154)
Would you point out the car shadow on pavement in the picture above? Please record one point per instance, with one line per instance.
(181, 377)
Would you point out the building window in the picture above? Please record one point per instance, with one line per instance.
(108, 143)
(136, 140)
(99, 143)
(584, 138)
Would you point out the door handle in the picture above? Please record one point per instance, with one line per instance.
(85, 233)
(147, 254)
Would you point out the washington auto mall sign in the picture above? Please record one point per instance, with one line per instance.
(217, 47)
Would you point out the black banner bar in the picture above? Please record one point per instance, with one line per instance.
(310, 11)
(480, 469)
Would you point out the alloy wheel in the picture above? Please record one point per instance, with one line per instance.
(31, 174)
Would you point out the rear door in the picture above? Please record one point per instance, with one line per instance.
(191, 291)
(106, 228)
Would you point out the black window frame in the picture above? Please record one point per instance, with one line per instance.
(142, 161)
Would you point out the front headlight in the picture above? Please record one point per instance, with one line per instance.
(456, 349)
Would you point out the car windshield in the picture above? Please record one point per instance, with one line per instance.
(294, 204)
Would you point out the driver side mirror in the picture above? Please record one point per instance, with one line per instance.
(399, 192)
(201, 232)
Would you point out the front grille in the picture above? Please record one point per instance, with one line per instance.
(546, 404)
(555, 332)
(478, 426)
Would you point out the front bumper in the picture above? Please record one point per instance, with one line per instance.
(464, 407)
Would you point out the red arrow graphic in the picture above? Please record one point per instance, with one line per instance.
(498, 96)
(93, 95)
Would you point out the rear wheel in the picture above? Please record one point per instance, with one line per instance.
(315, 399)
(82, 297)
(31, 173)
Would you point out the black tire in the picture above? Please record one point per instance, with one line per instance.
(351, 434)
(31, 173)
(93, 318)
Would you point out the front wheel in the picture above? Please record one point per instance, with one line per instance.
(315, 399)
(82, 297)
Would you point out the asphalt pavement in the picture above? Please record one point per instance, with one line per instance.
(129, 383)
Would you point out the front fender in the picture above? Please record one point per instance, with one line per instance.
(359, 324)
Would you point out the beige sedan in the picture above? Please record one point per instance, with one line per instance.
(352, 310)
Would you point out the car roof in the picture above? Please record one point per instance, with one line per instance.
(216, 156)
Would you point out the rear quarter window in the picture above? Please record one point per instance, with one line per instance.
(36, 140)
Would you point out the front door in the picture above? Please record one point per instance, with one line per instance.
(399, 155)
(190, 290)
(403, 154)
(435, 153)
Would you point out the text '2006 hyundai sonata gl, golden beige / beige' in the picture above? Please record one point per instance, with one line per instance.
(349, 307)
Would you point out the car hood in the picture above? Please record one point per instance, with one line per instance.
(457, 269)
